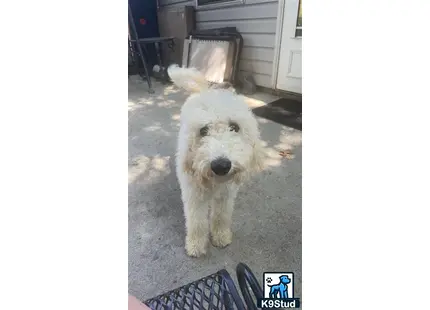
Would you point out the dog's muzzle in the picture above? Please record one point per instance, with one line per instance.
(221, 166)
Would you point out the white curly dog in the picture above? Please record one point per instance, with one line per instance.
(219, 147)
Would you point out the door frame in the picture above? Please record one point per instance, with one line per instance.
(278, 38)
(278, 41)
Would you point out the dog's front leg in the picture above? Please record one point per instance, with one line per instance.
(282, 293)
(196, 208)
(222, 207)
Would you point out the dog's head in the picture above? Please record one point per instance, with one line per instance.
(284, 279)
(223, 135)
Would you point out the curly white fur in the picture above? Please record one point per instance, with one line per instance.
(218, 110)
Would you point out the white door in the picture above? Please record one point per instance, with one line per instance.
(290, 55)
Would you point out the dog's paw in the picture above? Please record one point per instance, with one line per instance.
(222, 238)
(195, 247)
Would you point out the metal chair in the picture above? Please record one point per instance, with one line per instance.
(214, 292)
(137, 47)
(133, 42)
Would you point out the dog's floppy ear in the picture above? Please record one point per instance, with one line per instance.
(187, 165)
(189, 79)
(188, 159)
(188, 162)
(259, 157)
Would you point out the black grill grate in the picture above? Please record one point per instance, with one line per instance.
(216, 292)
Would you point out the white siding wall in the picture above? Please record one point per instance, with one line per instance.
(255, 20)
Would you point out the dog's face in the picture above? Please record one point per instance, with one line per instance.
(223, 136)
(284, 279)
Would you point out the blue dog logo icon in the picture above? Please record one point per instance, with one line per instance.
(278, 294)
(280, 290)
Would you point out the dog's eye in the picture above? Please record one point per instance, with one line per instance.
(204, 131)
(234, 127)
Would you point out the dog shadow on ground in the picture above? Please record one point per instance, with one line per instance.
(267, 219)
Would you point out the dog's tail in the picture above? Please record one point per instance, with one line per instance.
(189, 79)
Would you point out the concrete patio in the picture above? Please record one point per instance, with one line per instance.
(267, 218)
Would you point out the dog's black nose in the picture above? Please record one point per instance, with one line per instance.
(221, 166)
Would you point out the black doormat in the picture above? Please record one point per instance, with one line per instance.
(283, 111)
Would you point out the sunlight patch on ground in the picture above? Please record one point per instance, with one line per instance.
(283, 146)
(138, 166)
(291, 138)
(166, 103)
(147, 101)
(148, 169)
(131, 106)
(158, 129)
(273, 153)
(272, 162)
(254, 103)
(176, 117)
(273, 158)
(171, 90)
(160, 163)
(157, 126)
(288, 140)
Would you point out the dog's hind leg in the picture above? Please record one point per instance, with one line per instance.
(273, 292)
(196, 209)
(222, 206)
